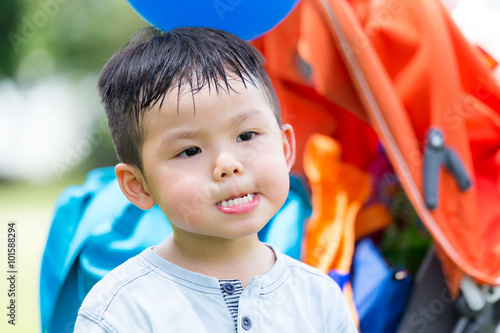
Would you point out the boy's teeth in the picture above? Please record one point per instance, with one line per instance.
(238, 201)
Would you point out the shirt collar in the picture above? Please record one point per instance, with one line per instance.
(206, 283)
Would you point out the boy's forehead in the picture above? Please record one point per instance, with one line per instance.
(180, 105)
(186, 97)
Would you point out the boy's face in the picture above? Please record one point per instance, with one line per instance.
(218, 168)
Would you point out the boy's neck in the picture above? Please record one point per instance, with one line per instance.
(223, 259)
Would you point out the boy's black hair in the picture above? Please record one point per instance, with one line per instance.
(155, 63)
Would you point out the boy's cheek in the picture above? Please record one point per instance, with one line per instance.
(258, 151)
(248, 153)
(190, 215)
(192, 205)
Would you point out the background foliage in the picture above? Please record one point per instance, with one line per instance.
(51, 52)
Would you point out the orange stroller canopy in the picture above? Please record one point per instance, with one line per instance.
(400, 72)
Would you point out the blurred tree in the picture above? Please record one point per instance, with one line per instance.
(10, 12)
(67, 42)
(73, 37)
(86, 33)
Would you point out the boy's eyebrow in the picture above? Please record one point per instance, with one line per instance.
(233, 121)
(241, 117)
(176, 136)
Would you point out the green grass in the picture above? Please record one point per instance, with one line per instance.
(31, 207)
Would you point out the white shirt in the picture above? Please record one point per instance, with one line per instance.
(150, 294)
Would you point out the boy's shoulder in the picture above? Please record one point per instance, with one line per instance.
(129, 295)
(300, 279)
(297, 267)
(123, 276)
(302, 288)
(139, 280)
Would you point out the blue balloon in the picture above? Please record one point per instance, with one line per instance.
(248, 19)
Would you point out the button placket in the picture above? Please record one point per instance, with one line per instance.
(228, 287)
(249, 307)
(246, 323)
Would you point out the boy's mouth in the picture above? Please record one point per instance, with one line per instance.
(239, 200)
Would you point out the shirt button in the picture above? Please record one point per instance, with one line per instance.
(246, 323)
(228, 288)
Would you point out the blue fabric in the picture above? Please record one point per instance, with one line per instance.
(380, 298)
(70, 228)
(95, 229)
(286, 228)
(340, 278)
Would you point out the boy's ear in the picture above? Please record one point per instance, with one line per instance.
(134, 186)
(288, 138)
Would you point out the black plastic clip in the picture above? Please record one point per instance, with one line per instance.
(435, 155)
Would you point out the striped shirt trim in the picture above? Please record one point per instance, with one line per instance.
(232, 297)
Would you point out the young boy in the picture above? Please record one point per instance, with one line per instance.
(196, 123)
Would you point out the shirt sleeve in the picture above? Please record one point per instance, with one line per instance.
(347, 326)
(343, 322)
(86, 325)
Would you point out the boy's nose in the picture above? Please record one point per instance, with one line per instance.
(225, 166)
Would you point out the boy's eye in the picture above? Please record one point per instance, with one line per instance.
(246, 136)
(190, 152)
